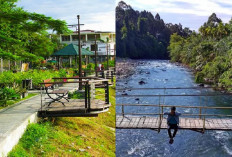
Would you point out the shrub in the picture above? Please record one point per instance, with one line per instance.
(7, 94)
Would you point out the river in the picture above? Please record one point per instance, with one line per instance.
(138, 142)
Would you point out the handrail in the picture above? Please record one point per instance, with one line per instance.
(220, 115)
(100, 80)
(177, 106)
(75, 78)
(63, 82)
(174, 95)
(157, 88)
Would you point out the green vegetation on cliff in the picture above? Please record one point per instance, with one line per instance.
(140, 35)
(208, 52)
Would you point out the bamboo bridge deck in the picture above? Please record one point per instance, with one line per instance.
(199, 119)
(148, 122)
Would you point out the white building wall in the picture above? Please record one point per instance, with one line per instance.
(101, 46)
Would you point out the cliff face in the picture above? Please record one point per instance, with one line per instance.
(140, 35)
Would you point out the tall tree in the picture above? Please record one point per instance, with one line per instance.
(23, 35)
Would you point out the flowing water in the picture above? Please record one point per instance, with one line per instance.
(142, 142)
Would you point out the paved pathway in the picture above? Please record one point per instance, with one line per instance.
(14, 120)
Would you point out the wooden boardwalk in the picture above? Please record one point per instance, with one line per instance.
(196, 124)
(74, 108)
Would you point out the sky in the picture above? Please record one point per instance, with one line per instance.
(94, 14)
(190, 13)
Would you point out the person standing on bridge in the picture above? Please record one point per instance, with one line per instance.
(173, 122)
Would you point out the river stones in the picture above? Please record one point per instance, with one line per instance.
(141, 82)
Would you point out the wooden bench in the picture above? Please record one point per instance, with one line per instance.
(60, 93)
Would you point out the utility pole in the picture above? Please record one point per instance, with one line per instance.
(79, 49)
(95, 55)
(114, 58)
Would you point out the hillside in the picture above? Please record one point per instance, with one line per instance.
(140, 35)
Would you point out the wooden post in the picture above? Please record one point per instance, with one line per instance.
(89, 97)
(200, 112)
(95, 55)
(123, 110)
(112, 76)
(160, 121)
(114, 58)
(162, 110)
(86, 95)
(41, 97)
(203, 125)
(107, 97)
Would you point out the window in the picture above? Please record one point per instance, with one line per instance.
(65, 38)
(93, 47)
(92, 36)
(75, 37)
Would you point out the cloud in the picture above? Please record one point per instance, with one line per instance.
(94, 14)
(192, 8)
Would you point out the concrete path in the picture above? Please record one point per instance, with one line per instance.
(14, 120)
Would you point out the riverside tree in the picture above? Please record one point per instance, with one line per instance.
(208, 52)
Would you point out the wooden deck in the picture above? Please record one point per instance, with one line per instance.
(73, 108)
(148, 122)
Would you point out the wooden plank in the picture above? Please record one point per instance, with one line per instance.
(150, 122)
(135, 122)
(119, 120)
(124, 122)
(133, 119)
(140, 124)
(146, 122)
(154, 123)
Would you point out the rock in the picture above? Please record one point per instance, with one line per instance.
(124, 94)
(83, 135)
(207, 86)
(163, 69)
(201, 85)
(81, 150)
(141, 82)
(148, 72)
(137, 99)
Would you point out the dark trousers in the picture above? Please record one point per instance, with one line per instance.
(172, 126)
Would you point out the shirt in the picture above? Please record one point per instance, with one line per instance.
(171, 117)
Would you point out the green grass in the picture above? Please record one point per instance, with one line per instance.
(12, 102)
(70, 136)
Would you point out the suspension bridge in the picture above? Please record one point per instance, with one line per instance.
(199, 120)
